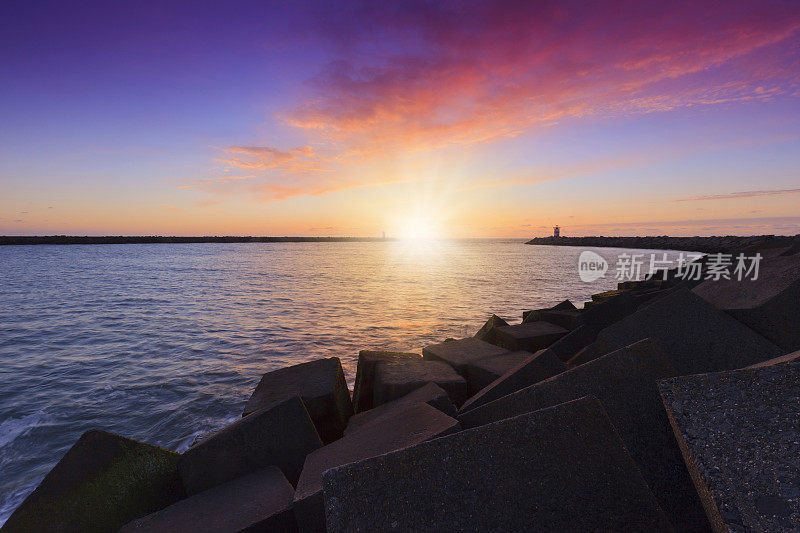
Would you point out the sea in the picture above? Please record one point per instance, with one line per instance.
(165, 342)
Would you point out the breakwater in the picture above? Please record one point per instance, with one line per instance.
(622, 409)
(721, 244)
(155, 239)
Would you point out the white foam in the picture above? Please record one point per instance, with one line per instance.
(12, 428)
(11, 501)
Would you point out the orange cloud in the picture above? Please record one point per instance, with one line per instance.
(417, 80)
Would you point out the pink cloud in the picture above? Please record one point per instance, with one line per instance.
(497, 69)
(417, 77)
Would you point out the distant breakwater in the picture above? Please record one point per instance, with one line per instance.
(121, 239)
(715, 244)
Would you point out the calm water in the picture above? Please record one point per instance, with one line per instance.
(164, 342)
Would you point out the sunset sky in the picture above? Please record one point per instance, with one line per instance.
(467, 119)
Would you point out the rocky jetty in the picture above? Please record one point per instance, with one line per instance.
(10, 240)
(667, 404)
(723, 244)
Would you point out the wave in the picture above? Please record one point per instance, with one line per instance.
(12, 428)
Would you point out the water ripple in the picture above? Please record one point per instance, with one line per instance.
(164, 343)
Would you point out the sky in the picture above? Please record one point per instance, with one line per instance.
(426, 119)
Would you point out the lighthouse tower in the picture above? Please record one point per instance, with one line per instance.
(556, 231)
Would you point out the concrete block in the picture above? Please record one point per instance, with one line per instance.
(486, 333)
(458, 353)
(770, 304)
(261, 501)
(412, 425)
(739, 433)
(100, 484)
(625, 383)
(610, 310)
(567, 346)
(394, 379)
(321, 386)
(566, 319)
(365, 375)
(278, 435)
(530, 337)
(793, 357)
(535, 368)
(532, 316)
(559, 469)
(430, 394)
(482, 372)
(695, 336)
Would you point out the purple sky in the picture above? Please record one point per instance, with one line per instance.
(466, 119)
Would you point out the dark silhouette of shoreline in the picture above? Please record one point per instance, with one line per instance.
(154, 239)
(714, 244)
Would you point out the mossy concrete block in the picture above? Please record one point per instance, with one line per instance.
(101, 483)
(261, 501)
(739, 432)
(365, 375)
(533, 369)
(559, 469)
(458, 353)
(486, 333)
(570, 344)
(321, 386)
(770, 304)
(695, 336)
(530, 337)
(482, 372)
(278, 435)
(625, 383)
(408, 426)
(394, 379)
(431, 394)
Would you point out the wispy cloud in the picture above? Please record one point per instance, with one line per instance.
(736, 195)
(418, 77)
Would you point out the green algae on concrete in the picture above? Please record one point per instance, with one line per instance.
(101, 483)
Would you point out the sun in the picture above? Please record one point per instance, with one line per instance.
(418, 228)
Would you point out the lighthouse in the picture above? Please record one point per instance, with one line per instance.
(556, 231)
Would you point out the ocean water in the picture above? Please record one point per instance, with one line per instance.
(165, 342)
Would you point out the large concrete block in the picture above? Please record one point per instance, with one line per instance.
(770, 304)
(321, 386)
(559, 469)
(365, 375)
(531, 337)
(412, 425)
(570, 344)
(793, 357)
(486, 333)
(610, 310)
(394, 379)
(739, 432)
(568, 320)
(100, 484)
(482, 372)
(532, 316)
(535, 368)
(458, 353)
(431, 394)
(261, 501)
(625, 383)
(695, 336)
(278, 435)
